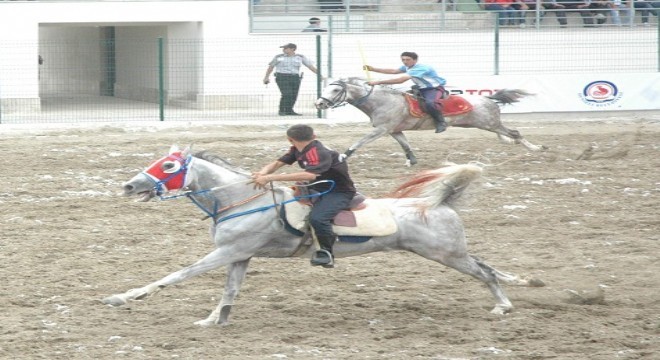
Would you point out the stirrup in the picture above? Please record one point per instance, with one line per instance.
(323, 258)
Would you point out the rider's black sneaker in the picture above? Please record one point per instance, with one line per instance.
(440, 127)
(323, 258)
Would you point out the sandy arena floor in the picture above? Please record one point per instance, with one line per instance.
(586, 222)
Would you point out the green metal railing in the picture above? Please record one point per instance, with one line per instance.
(158, 79)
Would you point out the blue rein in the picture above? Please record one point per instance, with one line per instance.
(213, 213)
(295, 198)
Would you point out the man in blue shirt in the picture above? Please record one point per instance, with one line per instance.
(424, 77)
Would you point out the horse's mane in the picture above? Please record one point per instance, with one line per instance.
(443, 186)
(215, 159)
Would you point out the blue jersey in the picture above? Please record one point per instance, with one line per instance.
(424, 76)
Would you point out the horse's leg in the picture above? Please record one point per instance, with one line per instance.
(378, 132)
(216, 258)
(469, 265)
(505, 134)
(489, 119)
(235, 275)
(401, 139)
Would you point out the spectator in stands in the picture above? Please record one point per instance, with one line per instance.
(618, 8)
(314, 25)
(581, 6)
(600, 9)
(507, 13)
(645, 8)
(551, 5)
(287, 76)
(656, 6)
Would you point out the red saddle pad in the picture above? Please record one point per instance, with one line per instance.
(452, 105)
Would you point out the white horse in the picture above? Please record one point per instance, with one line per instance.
(247, 223)
(390, 113)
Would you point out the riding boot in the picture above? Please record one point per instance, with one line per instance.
(324, 257)
(440, 123)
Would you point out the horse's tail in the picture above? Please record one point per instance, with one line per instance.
(440, 186)
(508, 96)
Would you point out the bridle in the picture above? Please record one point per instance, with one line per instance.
(341, 98)
(169, 173)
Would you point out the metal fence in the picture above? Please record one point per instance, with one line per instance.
(109, 77)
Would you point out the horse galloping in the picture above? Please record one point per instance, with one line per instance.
(426, 224)
(390, 113)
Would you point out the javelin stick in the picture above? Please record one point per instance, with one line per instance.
(364, 61)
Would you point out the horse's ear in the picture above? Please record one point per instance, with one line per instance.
(187, 151)
(174, 148)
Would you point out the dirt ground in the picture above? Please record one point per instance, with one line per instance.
(585, 222)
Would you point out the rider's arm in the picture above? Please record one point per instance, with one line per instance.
(397, 80)
(297, 176)
(270, 168)
(382, 70)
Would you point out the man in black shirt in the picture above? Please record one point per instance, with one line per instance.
(318, 163)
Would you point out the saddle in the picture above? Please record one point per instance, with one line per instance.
(449, 105)
(367, 217)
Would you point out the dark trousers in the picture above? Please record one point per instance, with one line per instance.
(429, 95)
(289, 84)
(326, 208)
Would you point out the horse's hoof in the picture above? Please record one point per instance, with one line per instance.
(205, 323)
(113, 300)
(501, 310)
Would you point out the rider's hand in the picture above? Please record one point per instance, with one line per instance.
(266, 81)
(368, 68)
(342, 157)
(372, 83)
(260, 180)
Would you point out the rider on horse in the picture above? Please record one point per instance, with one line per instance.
(318, 163)
(424, 76)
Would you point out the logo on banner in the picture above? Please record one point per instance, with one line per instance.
(600, 93)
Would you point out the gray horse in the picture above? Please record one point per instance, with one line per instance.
(248, 223)
(390, 113)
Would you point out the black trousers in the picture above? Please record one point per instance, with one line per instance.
(326, 208)
(289, 84)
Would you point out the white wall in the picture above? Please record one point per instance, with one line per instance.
(20, 24)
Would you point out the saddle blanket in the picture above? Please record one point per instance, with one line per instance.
(374, 219)
(452, 105)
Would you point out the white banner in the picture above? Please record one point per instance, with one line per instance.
(556, 93)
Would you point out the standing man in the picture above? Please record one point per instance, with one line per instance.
(318, 163)
(287, 76)
(424, 77)
(314, 26)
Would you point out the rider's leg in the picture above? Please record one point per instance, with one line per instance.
(320, 218)
(429, 102)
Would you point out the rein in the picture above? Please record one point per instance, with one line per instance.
(216, 210)
(281, 203)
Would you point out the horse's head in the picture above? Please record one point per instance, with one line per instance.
(341, 91)
(165, 174)
(333, 95)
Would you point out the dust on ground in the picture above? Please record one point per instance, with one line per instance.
(583, 217)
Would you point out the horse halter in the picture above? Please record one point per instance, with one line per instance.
(338, 99)
(169, 173)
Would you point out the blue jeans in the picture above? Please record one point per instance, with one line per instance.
(429, 95)
(326, 208)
